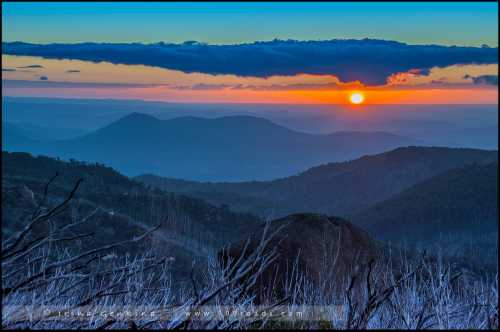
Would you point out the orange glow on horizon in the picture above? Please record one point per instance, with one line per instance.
(175, 86)
(385, 96)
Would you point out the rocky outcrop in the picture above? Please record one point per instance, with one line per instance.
(315, 245)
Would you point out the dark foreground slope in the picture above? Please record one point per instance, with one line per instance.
(334, 268)
(462, 199)
(457, 210)
(336, 188)
(123, 208)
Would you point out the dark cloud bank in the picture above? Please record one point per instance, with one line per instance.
(369, 61)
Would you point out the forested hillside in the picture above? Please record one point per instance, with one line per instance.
(456, 211)
(124, 207)
(336, 188)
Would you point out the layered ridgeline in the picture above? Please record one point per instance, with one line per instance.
(326, 249)
(192, 230)
(337, 188)
(121, 208)
(471, 126)
(231, 148)
(456, 211)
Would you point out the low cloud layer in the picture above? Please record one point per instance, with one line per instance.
(484, 79)
(369, 61)
(45, 83)
(31, 67)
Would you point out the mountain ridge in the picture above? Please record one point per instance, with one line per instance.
(458, 197)
(230, 148)
(332, 188)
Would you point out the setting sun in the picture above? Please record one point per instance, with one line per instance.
(356, 98)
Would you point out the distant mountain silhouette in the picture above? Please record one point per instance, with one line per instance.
(336, 188)
(229, 148)
(471, 126)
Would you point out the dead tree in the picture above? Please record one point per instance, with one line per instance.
(38, 270)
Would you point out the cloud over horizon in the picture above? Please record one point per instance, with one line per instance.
(368, 61)
(43, 82)
(31, 66)
(484, 79)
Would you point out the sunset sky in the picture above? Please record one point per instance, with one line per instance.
(226, 66)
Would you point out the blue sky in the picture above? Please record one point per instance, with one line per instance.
(470, 24)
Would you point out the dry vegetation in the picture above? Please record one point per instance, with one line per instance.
(42, 274)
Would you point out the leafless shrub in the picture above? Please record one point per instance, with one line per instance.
(42, 270)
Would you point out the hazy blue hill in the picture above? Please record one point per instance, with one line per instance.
(138, 126)
(87, 114)
(473, 126)
(128, 129)
(231, 148)
(335, 188)
(44, 133)
(14, 139)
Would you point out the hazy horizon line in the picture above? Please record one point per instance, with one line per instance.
(235, 103)
(263, 41)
